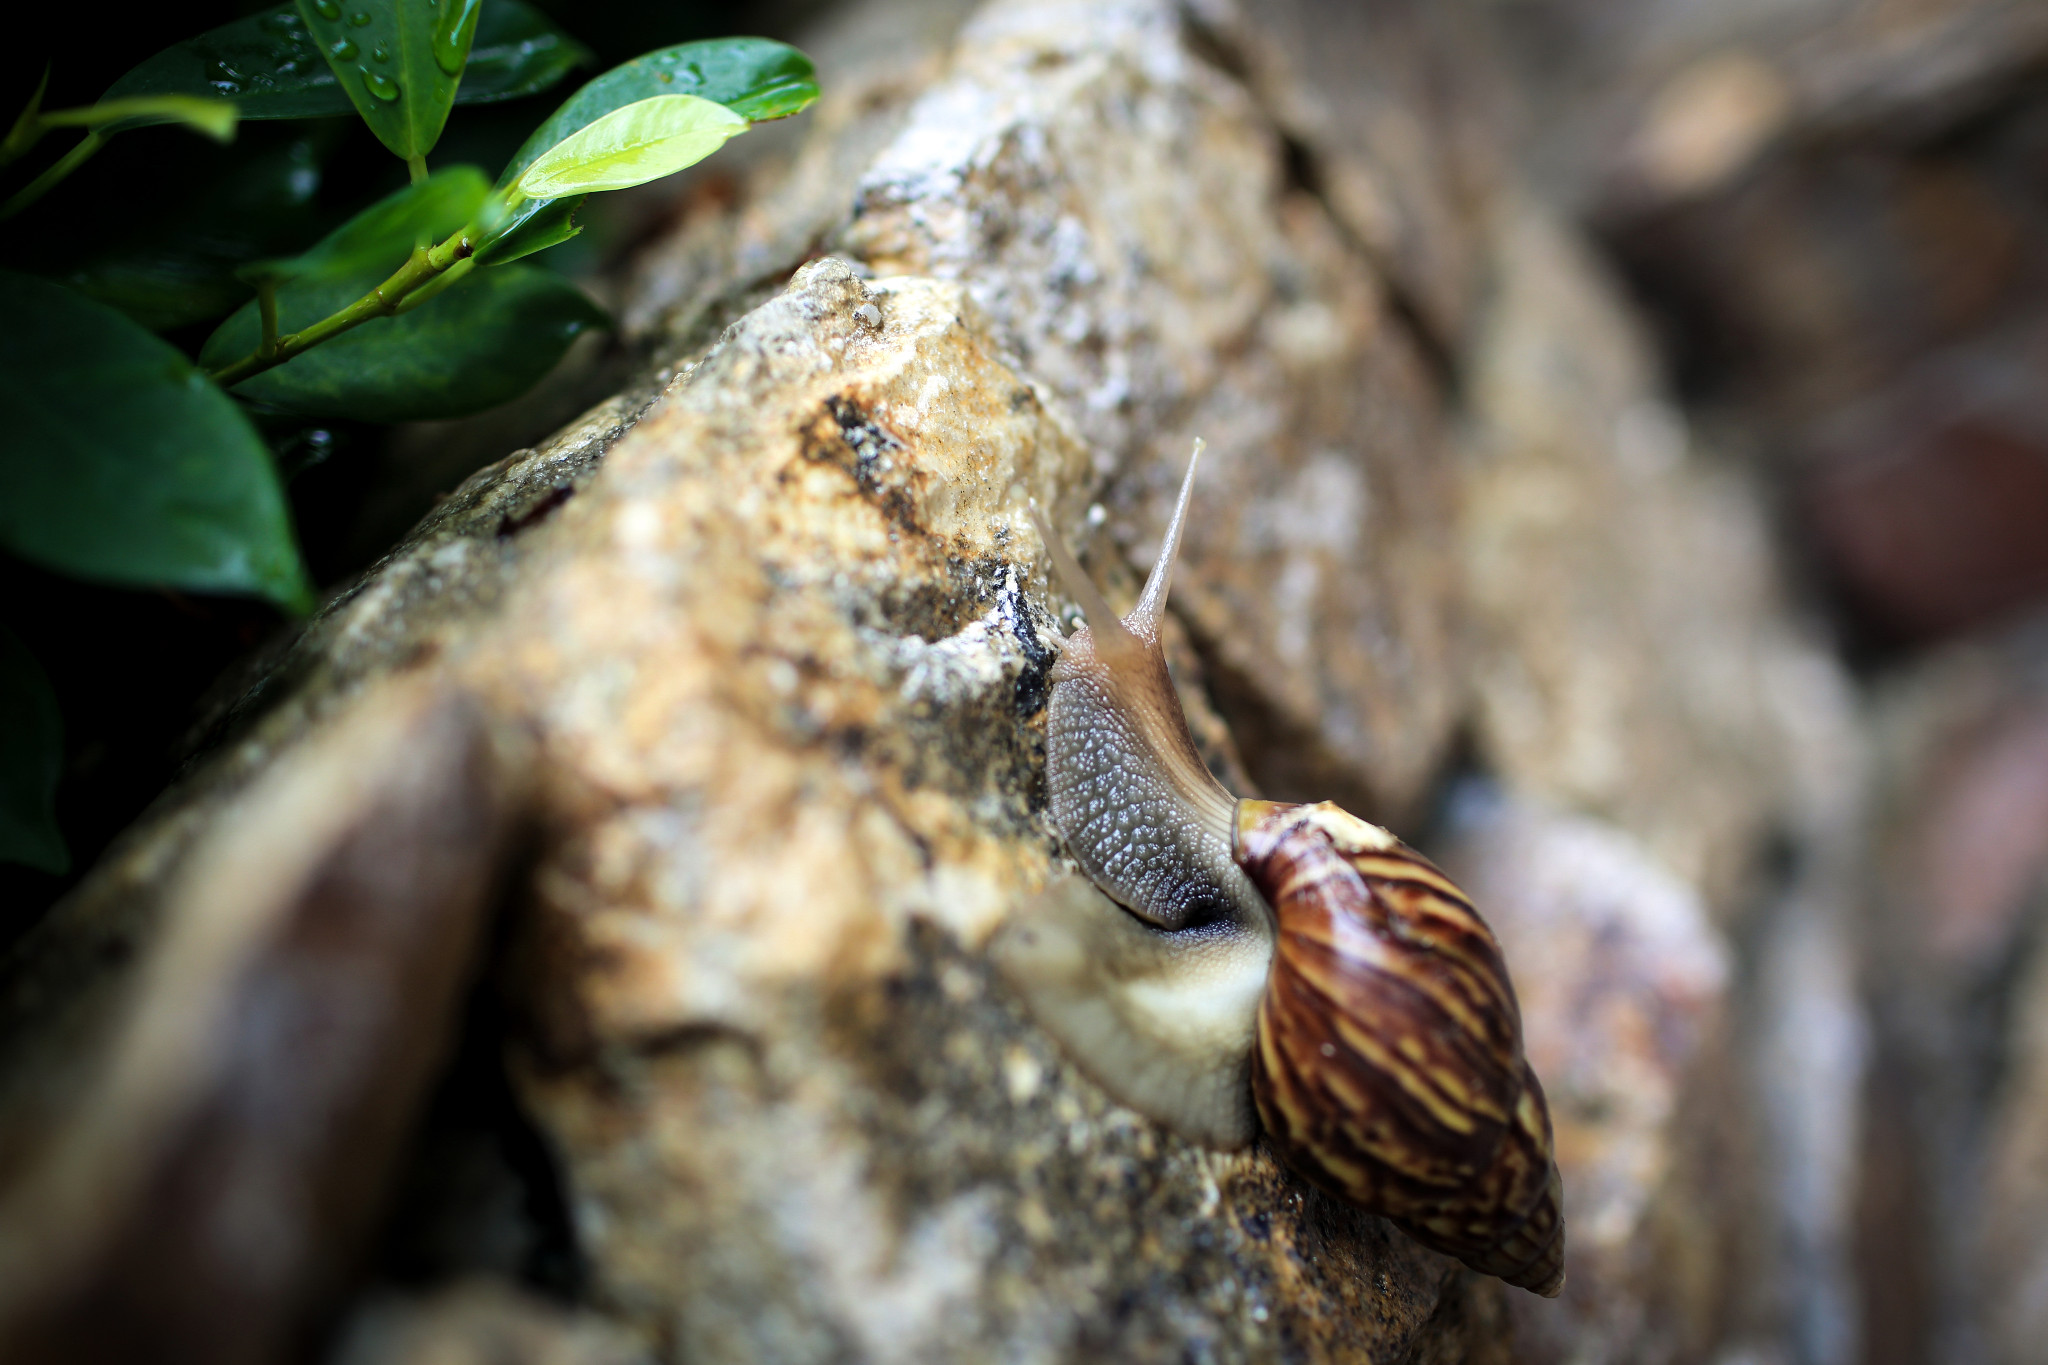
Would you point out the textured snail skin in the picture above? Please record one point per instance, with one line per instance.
(1141, 813)
(1389, 1067)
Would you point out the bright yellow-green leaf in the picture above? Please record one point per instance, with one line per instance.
(643, 141)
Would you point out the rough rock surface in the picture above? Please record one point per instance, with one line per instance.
(1624, 986)
(1952, 950)
(789, 708)
(1120, 209)
(777, 627)
(1615, 672)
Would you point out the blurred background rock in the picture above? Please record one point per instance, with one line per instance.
(1632, 483)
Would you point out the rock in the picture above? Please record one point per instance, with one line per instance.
(1886, 369)
(2009, 1261)
(790, 675)
(776, 628)
(1624, 987)
(1119, 207)
(1955, 904)
(480, 1323)
(209, 1174)
(1632, 657)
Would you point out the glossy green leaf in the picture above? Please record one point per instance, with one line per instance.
(182, 268)
(484, 342)
(270, 65)
(527, 226)
(31, 761)
(376, 241)
(122, 463)
(755, 78)
(517, 52)
(398, 62)
(631, 146)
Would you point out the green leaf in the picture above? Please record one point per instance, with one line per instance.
(270, 65)
(122, 463)
(488, 340)
(529, 225)
(376, 241)
(398, 62)
(182, 268)
(31, 761)
(517, 52)
(755, 78)
(631, 146)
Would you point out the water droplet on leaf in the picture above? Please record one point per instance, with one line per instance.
(382, 86)
(327, 9)
(452, 30)
(380, 53)
(361, 18)
(343, 49)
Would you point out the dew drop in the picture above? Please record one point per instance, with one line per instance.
(382, 86)
(380, 53)
(327, 9)
(361, 18)
(453, 28)
(343, 49)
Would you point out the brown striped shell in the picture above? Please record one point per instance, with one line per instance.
(1389, 1067)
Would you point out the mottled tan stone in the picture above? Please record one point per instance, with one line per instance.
(789, 674)
(1624, 988)
(480, 1323)
(1120, 208)
(778, 627)
(1633, 659)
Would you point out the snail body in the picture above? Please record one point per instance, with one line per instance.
(1232, 965)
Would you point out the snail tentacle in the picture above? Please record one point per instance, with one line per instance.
(1142, 814)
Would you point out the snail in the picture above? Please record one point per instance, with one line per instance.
(1231, 964)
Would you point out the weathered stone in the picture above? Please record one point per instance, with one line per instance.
(1624, 985)
(817, 547)
(780, 640)
(1632, 657)
(2008, 1265)
(480, 1323)
(1887, 369)
(1954, 897)
(201, 1182)
(1120, 209)
(1396, 121)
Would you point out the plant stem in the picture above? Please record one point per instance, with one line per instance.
(416, 167)
(38, 187)
(419, 270)
(266, 308)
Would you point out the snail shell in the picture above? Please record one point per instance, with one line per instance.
(1250, 963)
(1389, 1068)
